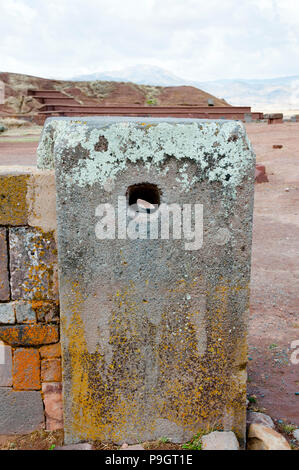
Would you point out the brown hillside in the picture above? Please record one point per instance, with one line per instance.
(187, 96)
(98, 92)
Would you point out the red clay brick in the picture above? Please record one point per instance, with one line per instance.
(26, 369)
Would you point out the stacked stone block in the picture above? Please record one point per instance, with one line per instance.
(30, 359)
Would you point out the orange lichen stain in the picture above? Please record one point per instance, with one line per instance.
(29, 335)
(153, 371)
(103, 395)
(208, 384)
(26, 369)
(40, 279)
(13, 192)
(36, 304)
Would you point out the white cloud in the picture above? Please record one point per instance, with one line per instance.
(197, 39)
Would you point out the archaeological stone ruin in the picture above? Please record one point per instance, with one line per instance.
(148, 228)
(153, 320)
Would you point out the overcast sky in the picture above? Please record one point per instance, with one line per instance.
(194, 39)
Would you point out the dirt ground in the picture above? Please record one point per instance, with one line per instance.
(18, 146)
(274, 321)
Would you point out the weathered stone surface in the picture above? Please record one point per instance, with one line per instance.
(26, 369)
(263, 438)
(21, 412)
(47, 312)
(24, 312)
(52, 393)
(33, 264)
(81, 446)
(53, 350)
(41, 201)
(29, 335)
(5, 366)
(259, 418)
(7, 313)
(13, 193)
(51, 370)
(153, 327)
(27, 197)
(217, 440)
(296, 434)
(4, 276)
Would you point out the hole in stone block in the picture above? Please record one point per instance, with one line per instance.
(146, 192)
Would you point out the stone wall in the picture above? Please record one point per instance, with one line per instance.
(30, 369)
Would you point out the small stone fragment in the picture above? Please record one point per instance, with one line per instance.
(263, 438)
(220, 440)
(81, 446)
(259, 418)
(125, 446)
(260, 174)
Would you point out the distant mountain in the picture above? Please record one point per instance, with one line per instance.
(140, 74)
(274, 93)
(280, 93)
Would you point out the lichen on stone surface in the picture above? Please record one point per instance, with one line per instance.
(221, 150)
